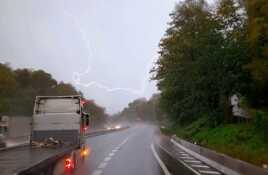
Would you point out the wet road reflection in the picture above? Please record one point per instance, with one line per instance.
(125, 152)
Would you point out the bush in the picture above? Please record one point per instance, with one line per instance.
(260, 123)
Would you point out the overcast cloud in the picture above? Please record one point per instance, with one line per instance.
(104, 47)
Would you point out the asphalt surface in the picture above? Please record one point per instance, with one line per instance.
(120, 153)
(16, 160)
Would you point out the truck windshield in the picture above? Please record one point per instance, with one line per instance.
(57, 106)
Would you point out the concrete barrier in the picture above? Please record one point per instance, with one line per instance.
(104, 131)
(17, 126)
(91, 134)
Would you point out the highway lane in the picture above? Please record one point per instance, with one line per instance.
(120, 153)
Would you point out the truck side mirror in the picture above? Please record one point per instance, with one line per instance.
(87, 120)
(82, 119)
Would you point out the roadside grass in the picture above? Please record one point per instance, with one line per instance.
(241, 141)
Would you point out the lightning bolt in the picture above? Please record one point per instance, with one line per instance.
(77, 75)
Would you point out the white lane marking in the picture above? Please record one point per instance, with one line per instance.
(107, 159)
(111, 154)
(199, 166)
(121, 144)
(102, 165)
(97, 172)
(186, 165)
(124, 142)
(212, 163)
(162, 165)
(184, 154)
(192, 161)
(189, 158)
(209, 172)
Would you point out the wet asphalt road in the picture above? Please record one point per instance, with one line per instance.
(120, 153)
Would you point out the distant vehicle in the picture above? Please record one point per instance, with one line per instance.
(108, 127)
(117, 127)
(57, 138)
(2, 142)
(113, 126)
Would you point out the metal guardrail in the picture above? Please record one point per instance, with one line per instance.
(220, 161)
(176, 153)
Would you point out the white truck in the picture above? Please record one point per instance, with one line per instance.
(56, 141)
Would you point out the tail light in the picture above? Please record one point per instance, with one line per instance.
(69, 164)
(85, 128)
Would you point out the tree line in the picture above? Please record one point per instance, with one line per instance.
(210, 52)
(142, 109)
(97, 114)
(19, 87)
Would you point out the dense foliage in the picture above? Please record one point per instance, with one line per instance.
(19, 87)
(142, 110)
(97, 114)
(208, 54)
(240, 141)
(257, 12)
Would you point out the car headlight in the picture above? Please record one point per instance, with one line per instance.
(117, 127)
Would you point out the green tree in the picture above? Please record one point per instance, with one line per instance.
(201, 60)
(257, 12)
(18, 89)
(96, 113)
(142, 110)
(7, 88)
(7, 81)
(42, 81)
(23, 77)
(64, 89)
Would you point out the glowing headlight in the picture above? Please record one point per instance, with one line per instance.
(117, 127)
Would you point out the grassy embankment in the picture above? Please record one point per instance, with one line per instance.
(245, 141)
